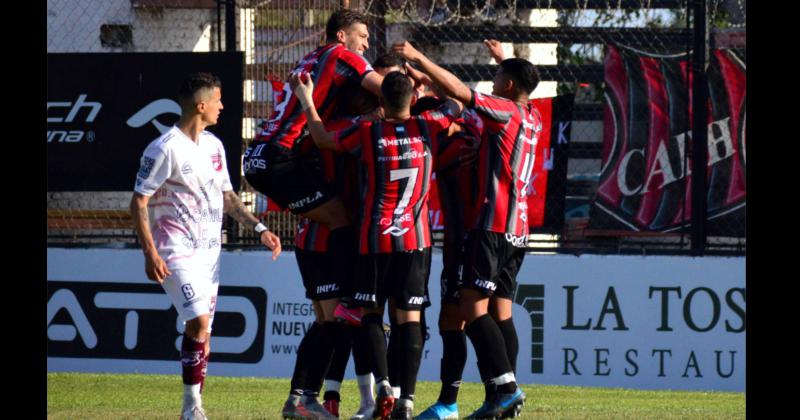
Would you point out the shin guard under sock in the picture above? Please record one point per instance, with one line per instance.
(491, 351)
(454, 358)
(322, 355)
(303, 361)
(409, 337)
(373, 341)
(192, 357)
(512, 342)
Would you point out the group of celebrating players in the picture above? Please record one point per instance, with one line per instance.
(351, 148)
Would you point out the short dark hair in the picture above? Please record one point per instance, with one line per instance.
(388, 60)
(342, 19)
(522, 72)
(397, 90)
(194, 83)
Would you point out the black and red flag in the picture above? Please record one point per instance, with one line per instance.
(645, 180)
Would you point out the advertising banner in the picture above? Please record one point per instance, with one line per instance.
(607, 321)
(103, 109)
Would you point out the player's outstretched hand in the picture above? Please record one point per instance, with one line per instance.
(406, 50)
(273, 242)
(155, 267)
(495, 49)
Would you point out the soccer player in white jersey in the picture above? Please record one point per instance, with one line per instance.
(181, 191)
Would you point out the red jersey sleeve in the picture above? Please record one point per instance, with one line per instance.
(439, 119)
(351, 66)
(349, 139)
(497, 110)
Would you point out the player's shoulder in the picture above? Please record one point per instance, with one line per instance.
(211, 137)
(342, 52)
(164, 142)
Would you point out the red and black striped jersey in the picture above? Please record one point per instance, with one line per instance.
(340, 169)
(505, 161)
(395, 179)
(334, 70)
(456, 183)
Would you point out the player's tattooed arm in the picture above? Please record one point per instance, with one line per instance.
(154, 266)
(303, 90)
(234, 207)
(451, 84)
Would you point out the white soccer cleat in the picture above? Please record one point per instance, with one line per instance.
(195, 413)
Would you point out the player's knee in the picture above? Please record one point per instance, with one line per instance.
(404, 316)
(197, 328)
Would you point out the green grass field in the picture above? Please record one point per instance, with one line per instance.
(111, 396)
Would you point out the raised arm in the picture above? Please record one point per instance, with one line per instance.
(154, 266)
(234, 207)
(372, 82)
(303, 91)
(449, 83)
(495, 49)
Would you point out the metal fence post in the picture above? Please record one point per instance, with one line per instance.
(699, 128)
(230, 25)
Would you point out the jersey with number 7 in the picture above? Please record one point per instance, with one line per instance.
(395, 178)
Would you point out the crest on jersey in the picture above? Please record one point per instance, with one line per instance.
(216, 161)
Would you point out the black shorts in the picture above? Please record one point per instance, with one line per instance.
(491, 263)
(324, 276)
(295, 182)
(452, 270)
(400, 275)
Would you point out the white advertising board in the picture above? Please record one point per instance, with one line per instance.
(611, 321)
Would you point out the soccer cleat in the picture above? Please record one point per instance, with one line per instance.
(439, 411)
(294, 409)
(316, 409)
(365, 412)
(195, 413)
(384, 404)
(304, 409)
(402, 413)
(332, 406)
(501, 406)
(351, 316)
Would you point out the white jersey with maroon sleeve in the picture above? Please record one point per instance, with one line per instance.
(185, 181)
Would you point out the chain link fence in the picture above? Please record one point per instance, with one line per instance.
(568, 41)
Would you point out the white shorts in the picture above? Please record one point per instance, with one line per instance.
(193, 292)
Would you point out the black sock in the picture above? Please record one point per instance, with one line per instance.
(360, 355)
(488, 386)
(331, 395)
(511, 340)
(322, 355)
(303, 361)
(454, 358)
(393, 355)
(341, 354)
(409, 337)
(490, 348)
(373, 341)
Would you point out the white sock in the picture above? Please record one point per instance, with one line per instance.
(366, 383)
(331, 385)
(191, 396)
(396, 391)
(402, 402)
